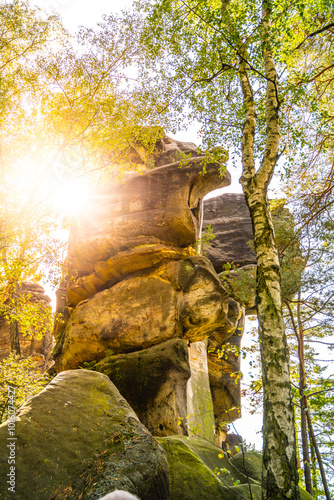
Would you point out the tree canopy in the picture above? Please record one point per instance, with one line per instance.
(257, 76)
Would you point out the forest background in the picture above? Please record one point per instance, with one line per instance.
(72, 105)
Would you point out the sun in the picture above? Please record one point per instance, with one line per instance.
(71, 198)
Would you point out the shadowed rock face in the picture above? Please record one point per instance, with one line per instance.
(224, 367)
(231, 223)
(153, 381)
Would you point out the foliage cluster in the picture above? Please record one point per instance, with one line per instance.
(22, 377)
(255, 74)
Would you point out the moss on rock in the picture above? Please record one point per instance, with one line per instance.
(199, 469)
(153, 381)
(80, 439)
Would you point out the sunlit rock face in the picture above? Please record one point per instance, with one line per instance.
(139, 222)
(136, 289)
(182, 299)
(39, 349)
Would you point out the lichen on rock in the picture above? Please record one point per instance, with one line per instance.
(79, 438)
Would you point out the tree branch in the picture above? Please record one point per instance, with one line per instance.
(321, 30)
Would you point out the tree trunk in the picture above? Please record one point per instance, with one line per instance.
(299, 333)
(305, 447)
(303, 402)
(279, 450)
(32, 344)
(317, 452)
(314, 470)
(280, 481)
(14, 337)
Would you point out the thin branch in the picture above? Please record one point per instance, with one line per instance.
(319, 342)
(228, 41)
(320, 392)
(321, 72)
(209, 79)
(324, 28)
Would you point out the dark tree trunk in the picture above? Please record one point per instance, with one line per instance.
(314, 466)
(317, 452)
(299, 333)
(14, 337)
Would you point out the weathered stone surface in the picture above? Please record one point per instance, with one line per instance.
(241, 285)
(192, 462)
(224, 370)
(230, 220)
(229, 217)
(38, 349)
(130, 256)
(232, 444)
(160, 206)
(108, 273)
(173, 151)
(232, 226)
(153, 382)
(166, 149)
(200, 415)
(80, 439)
(192, 465)
(177, 299)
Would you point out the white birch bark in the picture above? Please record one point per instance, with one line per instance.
(280, 481)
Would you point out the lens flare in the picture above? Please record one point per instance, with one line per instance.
(71, 198)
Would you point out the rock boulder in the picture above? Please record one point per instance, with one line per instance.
(231, 224)
(182, 299)
(80, 439)
(153, 381)
(199, 469)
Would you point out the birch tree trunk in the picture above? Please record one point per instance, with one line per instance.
(280, 474)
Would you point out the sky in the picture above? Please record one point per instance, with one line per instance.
(81, 12)
(77, 13)
(88, 13)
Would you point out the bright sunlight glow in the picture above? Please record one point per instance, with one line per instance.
(71, 198)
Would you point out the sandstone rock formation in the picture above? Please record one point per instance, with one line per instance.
(200, 419)
(229, 217)
(224, 369)
(80, 439)
(137, 223)
(199, 470)
(154, 383)
(141, 310)
(135, 287)
(199, 461)
(176, 299)
(38, 349)
(231, 225)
